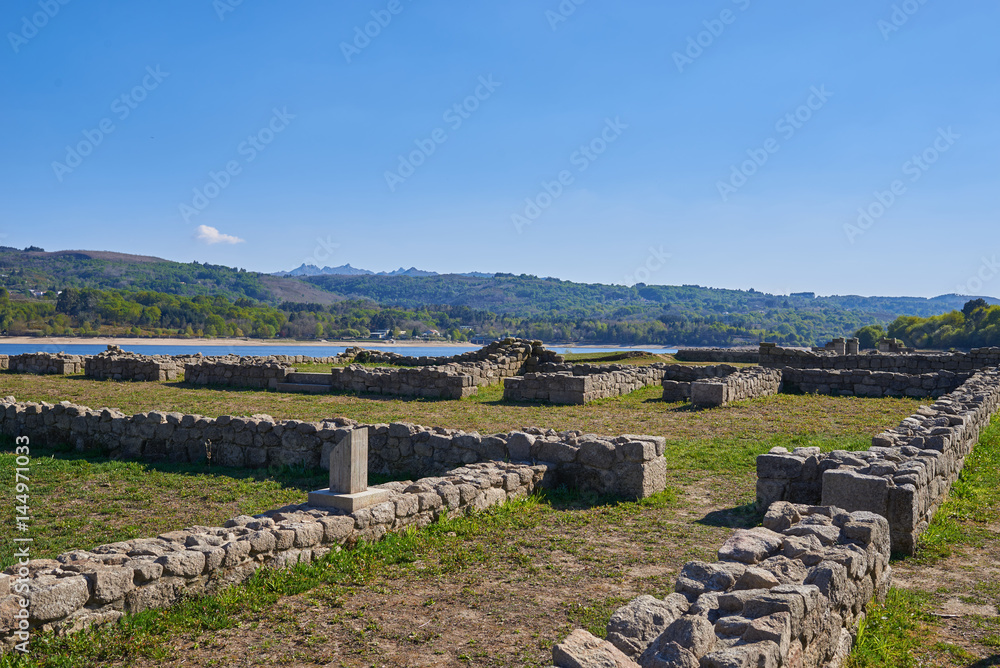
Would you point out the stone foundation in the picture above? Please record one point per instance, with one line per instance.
(627, 466)
(505, 357)
(45, 363)
(790, 593)
(437, 382)
(236, 371)
(581, 384)
(744, 384)
(904, 476)
(117, 364)
(718, 355)
(775, 357)
(97, 586)
(865, 383)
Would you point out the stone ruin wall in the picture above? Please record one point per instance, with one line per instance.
(509, 356)
(790, 593)
(117, 364)
(452, 377)
(904, 476)
(751, 383)
(581, 383)
(628, 466)
(773, 356)
(44, 363)
(865, 383)
(436, 382)
(236, 371)
(718, 355)
(678, 378)
(98, 586)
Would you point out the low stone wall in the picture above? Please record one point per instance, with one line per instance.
(865, 383)
(718, 355)
(677, 378)
(447, 382)
(508, 356)
(236, 371)
(305, 359)
(904, 476)
(582, 384)
(116, 364)
(97, 586)
(628, 466)
(790, 593)
(46, 363)
(748, 383)
(773, 356)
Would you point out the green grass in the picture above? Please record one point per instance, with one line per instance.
(642, 411)
(894, 631)
(73, 495)
(890, 634)
(495, 540)
(972, 505)
(582, 555)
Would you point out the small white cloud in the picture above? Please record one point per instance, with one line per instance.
(210, 235)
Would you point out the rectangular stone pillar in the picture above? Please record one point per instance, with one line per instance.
(349, 464)
(349, 476)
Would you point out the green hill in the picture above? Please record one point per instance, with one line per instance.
(24, 270)
(333, 306)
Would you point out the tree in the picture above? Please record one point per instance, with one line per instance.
(972, 305)
(868, 337)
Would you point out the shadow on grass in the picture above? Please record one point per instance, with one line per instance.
(988, 661)
(290, 477)
(739, 517)
(566, 498)
(686, 407)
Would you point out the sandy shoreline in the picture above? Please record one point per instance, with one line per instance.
(104, 341)
(208, 343)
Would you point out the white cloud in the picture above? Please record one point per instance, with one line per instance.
(210, 235)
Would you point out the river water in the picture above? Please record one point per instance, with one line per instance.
(312, 351)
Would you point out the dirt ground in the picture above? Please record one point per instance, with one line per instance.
(965, 600)
(572, 568)
(566, 568)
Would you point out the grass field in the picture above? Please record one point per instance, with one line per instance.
(498, 588)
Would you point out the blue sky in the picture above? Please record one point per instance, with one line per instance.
(728, 143)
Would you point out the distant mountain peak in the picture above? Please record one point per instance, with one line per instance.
(412, 271)
(312, 270)
(347, 270)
